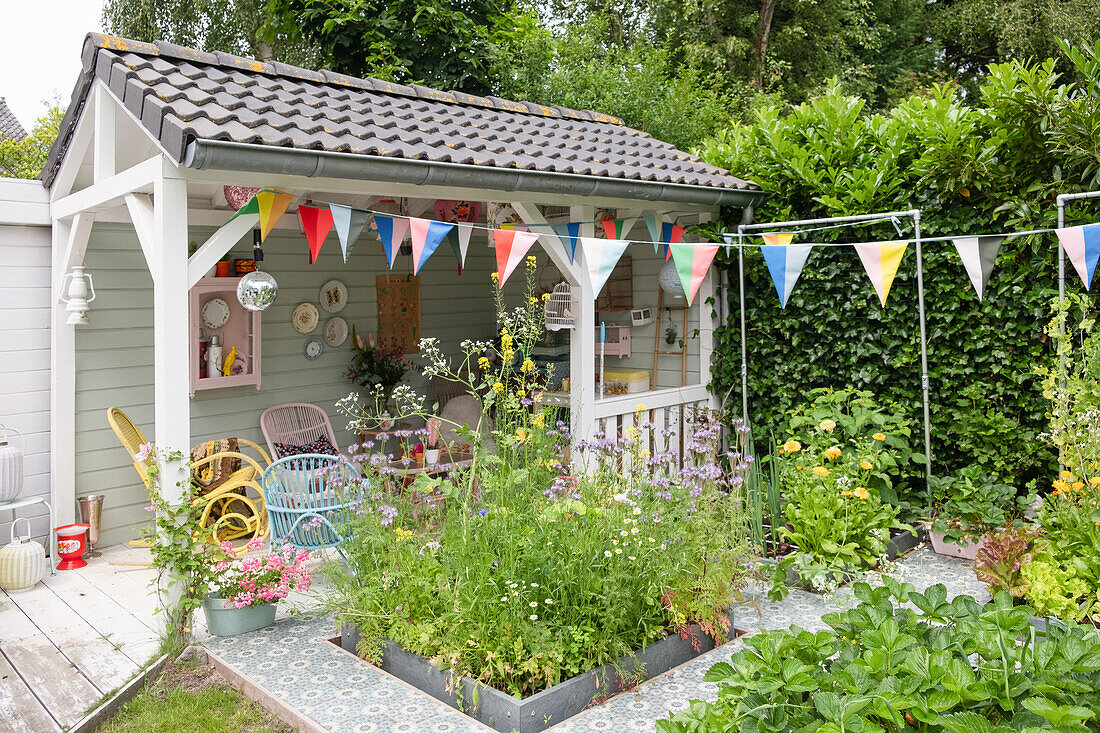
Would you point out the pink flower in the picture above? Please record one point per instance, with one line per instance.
(254, 544)
(144, 451)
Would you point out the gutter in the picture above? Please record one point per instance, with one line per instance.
(232, 156)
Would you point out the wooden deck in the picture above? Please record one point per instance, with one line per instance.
(75, 637)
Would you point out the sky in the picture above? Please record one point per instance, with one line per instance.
(40, 43)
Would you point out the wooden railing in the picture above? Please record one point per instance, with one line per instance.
(663, 424)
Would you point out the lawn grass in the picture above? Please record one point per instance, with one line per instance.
(194, 698)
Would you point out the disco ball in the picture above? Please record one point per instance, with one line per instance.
(669, 280)
(257, 290)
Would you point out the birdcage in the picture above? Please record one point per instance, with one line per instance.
(558, 313)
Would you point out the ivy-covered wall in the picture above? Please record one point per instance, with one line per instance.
(976, 166)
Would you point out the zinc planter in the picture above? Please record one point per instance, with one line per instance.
(946, 547)
(502, 712)
(224, 620)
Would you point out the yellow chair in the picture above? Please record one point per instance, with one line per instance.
(235, 510)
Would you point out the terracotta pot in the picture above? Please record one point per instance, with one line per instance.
(221, 269)
(946, 547)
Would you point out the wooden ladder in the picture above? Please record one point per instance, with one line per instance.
(658, 352)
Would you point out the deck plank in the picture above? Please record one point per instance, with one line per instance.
(54, 679)
(20, 710)
(132, 587)
(99, 660)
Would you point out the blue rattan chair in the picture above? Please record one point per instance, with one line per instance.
(308, 497)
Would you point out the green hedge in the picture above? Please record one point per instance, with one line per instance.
(991, 165)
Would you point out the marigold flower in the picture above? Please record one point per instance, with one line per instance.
(833, 452)
(1095, 480)
(865, 465)
(1060, 486)
(879, 437)
(1078, 485)
(862, 493)
(792, 446)
(827, 425)
(1067, 475)
(821, 471)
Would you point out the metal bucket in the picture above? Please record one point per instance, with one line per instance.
(91, 507)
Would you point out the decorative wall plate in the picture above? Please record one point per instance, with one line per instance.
(313, 348)
(305, 318)
(336, 331)
(334, 296)
(215, 313)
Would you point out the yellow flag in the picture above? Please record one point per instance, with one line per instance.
(881, 260)
(272, 207)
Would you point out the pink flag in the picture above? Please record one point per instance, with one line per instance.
(692, 262)
(511, 245)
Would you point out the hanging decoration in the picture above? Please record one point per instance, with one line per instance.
(316, 223)
(978, 256)
(427, 235)
(692, 263)
(1082, 247)
(881, 260)
(238, 196)
(349, 224)
(671, 233)
(614, 228)
(459, 239)
(511, 247)
(272, 205)
(601, 256)
(785, 262)
(653, 225)
(603, 217)
(392, 231)
(457, 211)
(568, 232)
(502, 216)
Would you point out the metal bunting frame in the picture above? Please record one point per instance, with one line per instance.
(915, 215)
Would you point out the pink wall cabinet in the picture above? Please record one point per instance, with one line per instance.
(215, 311)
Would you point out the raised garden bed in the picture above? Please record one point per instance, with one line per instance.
(502, 712)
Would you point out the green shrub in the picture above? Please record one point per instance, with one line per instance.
(907, 661)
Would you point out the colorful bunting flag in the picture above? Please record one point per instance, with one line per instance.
(671, 233)
(316, 223)
(785, 262)
(459, 239)
(349, 224)
(1082, 247)
(978, 255)
(881, 261)
(601, 256)
(692, 262)
(392, 231)
(272, 205)
(614, 228)
(654, 230)
(511, 246)
(427, 235)
(252, 206)
(568, 233)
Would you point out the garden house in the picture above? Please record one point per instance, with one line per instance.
(137, 180)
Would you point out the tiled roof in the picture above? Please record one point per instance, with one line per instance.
(182, 95)
(9, 126)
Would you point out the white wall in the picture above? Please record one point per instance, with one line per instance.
(25, 337)
(115, 356)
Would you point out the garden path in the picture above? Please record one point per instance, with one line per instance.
(292, 668)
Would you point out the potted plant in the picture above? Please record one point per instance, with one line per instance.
(431, 451)
(376, 367)
(966, 505)
(244, 591)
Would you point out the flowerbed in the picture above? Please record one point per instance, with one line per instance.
(518, 575)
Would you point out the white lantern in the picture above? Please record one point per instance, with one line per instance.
(75, 289)
(669, 280)
(11, 466)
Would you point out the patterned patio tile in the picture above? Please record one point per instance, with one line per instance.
(294, 660)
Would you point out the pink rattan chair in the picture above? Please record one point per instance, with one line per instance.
(297, 423)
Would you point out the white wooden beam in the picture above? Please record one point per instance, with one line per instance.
(555, 247)
(140, 207)
(109, 191)
(72, 248)
(216, 247)
(62, 389)
(582, 342)
(75, 152)
(707, 312)
(103, 146)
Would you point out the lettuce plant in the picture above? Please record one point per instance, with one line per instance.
(1000, 560)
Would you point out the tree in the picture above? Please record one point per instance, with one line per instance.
(442, 44)
(25, 158)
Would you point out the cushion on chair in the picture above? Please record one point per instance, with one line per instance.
(212, 475)
(322, 445)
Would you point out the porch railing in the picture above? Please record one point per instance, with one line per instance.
(663, 425)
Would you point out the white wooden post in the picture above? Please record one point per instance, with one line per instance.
(582, 343)
(62, 389)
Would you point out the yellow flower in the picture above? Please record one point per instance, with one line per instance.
(821, 471)
(827, 425)
(639, 407)
(862, 493)
(401, 533)
(865, 465)
(833, 452)
(644, 453)
(522, 436)
(505, 338)
(545, 297)
(537, 397)
(527, 366)
(532, 260)
(1077, 485)
(483, 363)
(539, 421)
(791, 446)
(847, 493)
(1095, 480)
(879, 436)
(494, 276)
(1067, 475)
(498, 388)
(1060, 487)
(520, 393)
(533, 300)
(631, 432)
